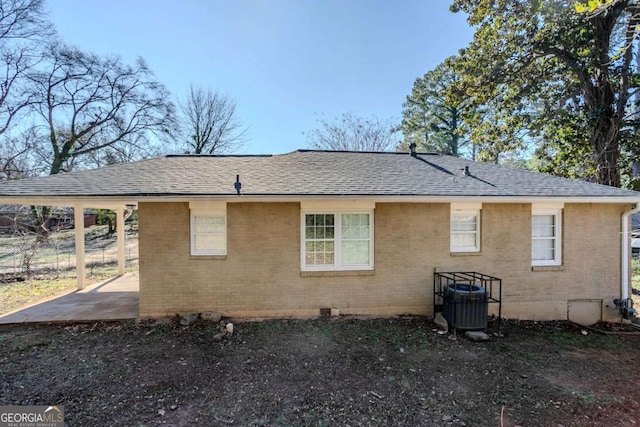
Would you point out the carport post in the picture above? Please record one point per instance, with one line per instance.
(120, 235)
(78, 225)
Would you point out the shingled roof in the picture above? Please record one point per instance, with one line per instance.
(308, 173)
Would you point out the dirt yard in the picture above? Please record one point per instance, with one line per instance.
(393, 372)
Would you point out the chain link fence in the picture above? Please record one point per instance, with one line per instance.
(26, 256)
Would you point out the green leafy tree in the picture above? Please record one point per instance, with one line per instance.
(566, 77)
(430, 120)
(494, 134)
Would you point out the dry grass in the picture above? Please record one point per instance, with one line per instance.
(15, 295)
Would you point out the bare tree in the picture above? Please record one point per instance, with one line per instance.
(22, 29)
(120, 152)
(211, 123)
(19, 154)
(23, 19)
(89, 103)
(353, 133)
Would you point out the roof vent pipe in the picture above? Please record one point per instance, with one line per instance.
(238, 184)
(412, 147)
(465, 171)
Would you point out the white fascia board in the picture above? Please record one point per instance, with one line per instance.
(392, 199)
(405, 199)
(87, 202)
(91, 201)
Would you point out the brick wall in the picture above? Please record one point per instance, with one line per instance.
(260, 276)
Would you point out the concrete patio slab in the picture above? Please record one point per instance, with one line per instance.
(113, 299)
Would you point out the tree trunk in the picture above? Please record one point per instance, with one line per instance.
(56, 165)
(41, 215)
(635, 161)
(607, 152)
(111, 224)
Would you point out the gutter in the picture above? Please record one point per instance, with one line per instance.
(626, 259)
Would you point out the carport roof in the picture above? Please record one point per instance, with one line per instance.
(309, 173)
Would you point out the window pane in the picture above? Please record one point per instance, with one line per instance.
(543, 225)
(319, 252)
(319, 226)
(355, 226)
(464, 222)
(310, 233)
(466, 240)
(362, 232)
(209, 242)
(209, 224)
(329, 232)
(543, 250)
(308, 219)
(355, 252)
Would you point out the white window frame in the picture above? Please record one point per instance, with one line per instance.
(207, 210)
(465, 209)
(556, 211)
(311, 209)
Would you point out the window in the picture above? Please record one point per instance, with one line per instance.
(465, 227)
(334, 240)
(320, 239)
(208, 228)
(546, 232)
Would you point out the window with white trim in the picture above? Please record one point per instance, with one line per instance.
(465, 227)
(208, 228)
(546, 235)
(334, 240)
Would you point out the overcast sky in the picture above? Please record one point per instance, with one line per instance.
(283, 61)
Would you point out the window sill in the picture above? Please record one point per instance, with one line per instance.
(207, 257)
(547, 268)
(337, 273)
(465, 253)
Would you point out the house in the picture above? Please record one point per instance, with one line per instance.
(291, 234)
(20, 218)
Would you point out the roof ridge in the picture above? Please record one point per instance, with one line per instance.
(216, 155)
(403, 153)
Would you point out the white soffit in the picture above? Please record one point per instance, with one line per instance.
(338, 205)
(466, 206)
(547, 206)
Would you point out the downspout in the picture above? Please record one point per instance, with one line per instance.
(626, 244)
